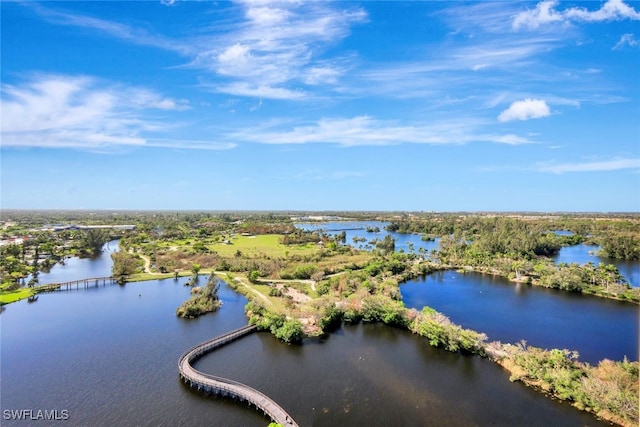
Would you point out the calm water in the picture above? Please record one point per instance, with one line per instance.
(109, 357)
(596, 327)
(583, 254)
(358, 229)
(580, 254)
(81, 268)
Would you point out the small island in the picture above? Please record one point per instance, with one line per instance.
(204, 300)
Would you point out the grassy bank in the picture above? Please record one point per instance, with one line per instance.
(7, 297)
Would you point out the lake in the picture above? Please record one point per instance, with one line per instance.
(596, 327)
(109, 356)
(583, 254)
(580, 254)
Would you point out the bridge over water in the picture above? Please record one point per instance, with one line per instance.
(77, 284)
(225, 387)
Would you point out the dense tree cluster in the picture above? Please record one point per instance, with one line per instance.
(621, 245)
(609, 388)
(125, 264)
(619, 235)
(203, 300)
(287, 330)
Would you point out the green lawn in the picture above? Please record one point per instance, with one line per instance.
(267, 244)
(263, 244)
(7, 297)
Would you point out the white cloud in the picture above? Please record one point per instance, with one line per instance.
(319, 175)
(479, 69)
(525, 110)
(511, 139)
(58, 111)
(596, 166)
(190, 144)
(135, 35)
(321, 74)
(366, 131)
(267, 15)
(278, 46)
(147, 99)
(612, 10)
(628, 40)
(546, 12)
(234, 60)
(261, 91)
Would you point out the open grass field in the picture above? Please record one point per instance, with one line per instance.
(252, 246)
(264, 244)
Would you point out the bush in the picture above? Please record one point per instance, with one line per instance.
(304, 272)
(290, 331)
(323, 288)
(275, 292)
(377, 308)
(253, 276)
(201, 302)
(440, 332)
(331, 317)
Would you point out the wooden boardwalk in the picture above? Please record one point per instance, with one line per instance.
(77, 284)
(228, 388)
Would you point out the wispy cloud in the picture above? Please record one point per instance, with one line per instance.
(525, 110)
(59, 111)
(591, 166)
(626, 40)
(190, 144)
(476, 59)
(275, 51)
(121, 31)
(321, 175)
(259, 91)
(546, 12)
(366, 131)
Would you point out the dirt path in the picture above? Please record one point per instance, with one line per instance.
(146, 259)
(147, 263)
(264, 298)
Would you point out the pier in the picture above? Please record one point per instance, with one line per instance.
(77, 284)
(225, 387)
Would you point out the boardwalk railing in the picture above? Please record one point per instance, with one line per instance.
(225, 387)
(77, 284)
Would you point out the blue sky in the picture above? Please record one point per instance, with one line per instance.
(445, 106)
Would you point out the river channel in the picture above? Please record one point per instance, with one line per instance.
(108, 356)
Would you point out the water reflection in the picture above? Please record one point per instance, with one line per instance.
(584, 253)
(580, 254)
(109, 356)
(598, 328)
(75, 268)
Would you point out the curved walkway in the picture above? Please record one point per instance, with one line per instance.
(224, 387)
